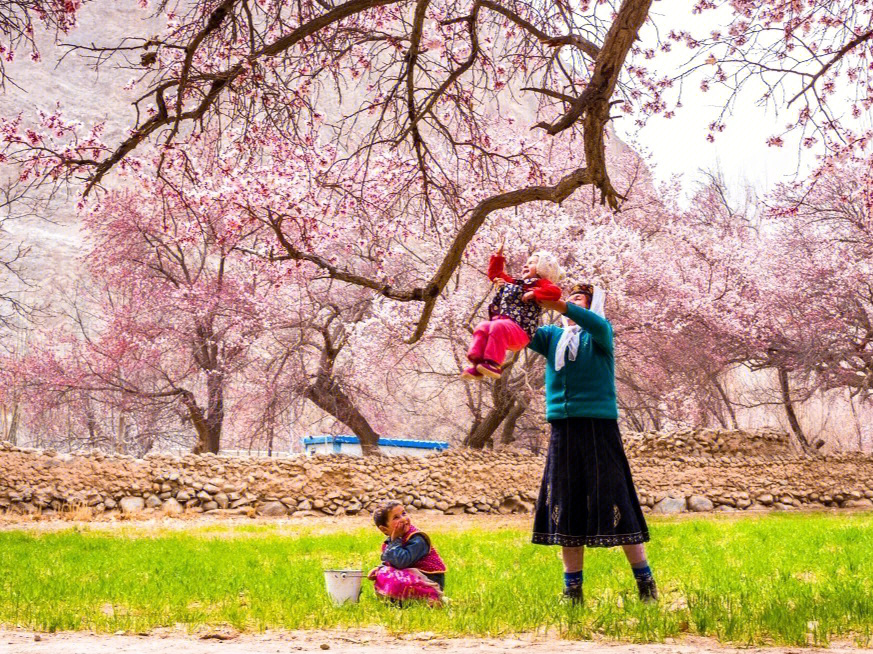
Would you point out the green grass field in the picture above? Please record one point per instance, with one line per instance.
(777, 579)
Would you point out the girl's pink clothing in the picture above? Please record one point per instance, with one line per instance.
(493, 338)
(406, 584)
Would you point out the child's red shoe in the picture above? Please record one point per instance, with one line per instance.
(489, 369)
(471, 374)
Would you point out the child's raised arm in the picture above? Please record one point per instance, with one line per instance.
(495, 268)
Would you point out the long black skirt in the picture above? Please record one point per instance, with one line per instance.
(587, 496)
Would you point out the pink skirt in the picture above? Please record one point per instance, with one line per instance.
(407, 584)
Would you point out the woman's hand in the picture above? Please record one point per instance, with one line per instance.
(372, 574)
(499, 282)
(528, 297)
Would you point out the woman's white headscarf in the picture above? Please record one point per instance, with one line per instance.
(568, 344)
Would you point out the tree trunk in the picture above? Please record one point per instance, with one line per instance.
(727, 403)
(207, 426)
(635, 421)
(793, 422)
(330, 398)
(215, 410)
(510, 422)
(119, 435)
(93, 427)
(483, 433)
(656, 422)
(858, 431)
(503, 401)
(12, 432)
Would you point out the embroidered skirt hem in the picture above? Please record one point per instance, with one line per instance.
(612, 540)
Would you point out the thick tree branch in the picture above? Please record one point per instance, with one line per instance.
(557, 194)
(608, 64)
(575, 40)
(583, 44)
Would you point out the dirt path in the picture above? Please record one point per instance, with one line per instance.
(365, 642)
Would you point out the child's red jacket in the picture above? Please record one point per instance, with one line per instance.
(542, 288)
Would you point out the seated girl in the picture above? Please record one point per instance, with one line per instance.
(411, 567)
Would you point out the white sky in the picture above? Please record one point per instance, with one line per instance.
(678, 146)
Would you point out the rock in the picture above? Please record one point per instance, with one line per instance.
(212, 505)
(858, 504)
(109, 503)
(183, 496)
(353, 508)
(305, 505)
(219, 633)
(766, 499)
(514, 505)
(699, 503)
(272, 509)
(153, 501)
(27, 508)
(171, 507)
(131, 504)
(212, 489)
(669, 505)
(221, 500)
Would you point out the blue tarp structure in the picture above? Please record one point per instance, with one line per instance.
(338, 441)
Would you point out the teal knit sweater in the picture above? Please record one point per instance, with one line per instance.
(584, 387)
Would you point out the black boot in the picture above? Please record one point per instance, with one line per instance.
(648, 590)
(573, 595)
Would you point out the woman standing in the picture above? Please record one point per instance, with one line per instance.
(587, 495)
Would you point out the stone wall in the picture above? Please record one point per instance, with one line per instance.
(690, 470)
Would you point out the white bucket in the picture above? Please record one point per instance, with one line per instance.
(344, 585)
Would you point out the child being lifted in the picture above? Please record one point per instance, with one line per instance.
(513, 315)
